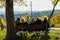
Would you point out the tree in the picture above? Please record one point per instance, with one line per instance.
(2, 23)
(57, 19)
(51, 21)
(10, 18)
(54, 2)
(2, 3)
(20, 2)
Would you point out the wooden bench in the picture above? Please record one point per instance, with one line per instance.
(22, 27)
(38, 27)
(33, 27)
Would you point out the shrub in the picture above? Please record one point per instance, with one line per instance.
(52, 25)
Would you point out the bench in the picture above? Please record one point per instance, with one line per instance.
(22, 27)
(38, 27)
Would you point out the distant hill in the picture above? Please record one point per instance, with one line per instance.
(34, 13)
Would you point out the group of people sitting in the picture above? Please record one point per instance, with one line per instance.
(33, 21)
(21, 21)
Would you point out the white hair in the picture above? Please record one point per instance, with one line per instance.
(46, 17)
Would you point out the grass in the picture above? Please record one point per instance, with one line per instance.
(57, 25)
(2, 34)
(53, 35)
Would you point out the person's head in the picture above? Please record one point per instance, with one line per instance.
(45, 18)
(18, 19)
(37, 19)
(22, 20)
(33, 19)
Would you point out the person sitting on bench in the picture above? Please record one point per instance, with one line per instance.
(38, 21)
(18, 21)
(46, 22)
(23, 21)
(32, 21)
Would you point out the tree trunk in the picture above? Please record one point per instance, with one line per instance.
(53, 10)
(10, 20)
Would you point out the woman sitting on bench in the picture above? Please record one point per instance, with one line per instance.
(23, 21)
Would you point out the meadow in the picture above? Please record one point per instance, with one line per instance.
(2, 33)
(52, 35)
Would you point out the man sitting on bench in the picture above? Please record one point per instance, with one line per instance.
(17, 21)
(38, 21)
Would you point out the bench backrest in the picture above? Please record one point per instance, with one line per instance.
(37, 26)
(22, 27)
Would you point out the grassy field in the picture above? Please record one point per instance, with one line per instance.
(53, 35)
(57, 25)
(2, 34)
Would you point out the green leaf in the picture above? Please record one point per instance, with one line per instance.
(19, 2)
(54, 1)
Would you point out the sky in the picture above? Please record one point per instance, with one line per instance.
(37, 5)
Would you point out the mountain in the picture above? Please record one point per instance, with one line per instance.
(34, 13)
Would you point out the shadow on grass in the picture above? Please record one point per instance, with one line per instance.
(45, 38)
(21, 37)
(39, 37)
(33, 37)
